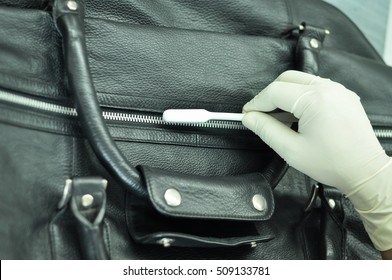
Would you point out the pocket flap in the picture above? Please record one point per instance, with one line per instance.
(246, 197)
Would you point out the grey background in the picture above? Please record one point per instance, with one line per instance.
(371, 16)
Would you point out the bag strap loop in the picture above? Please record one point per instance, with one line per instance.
(68, 16)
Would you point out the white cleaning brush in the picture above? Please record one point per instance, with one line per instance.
(201, 116)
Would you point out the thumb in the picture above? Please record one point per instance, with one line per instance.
(274, 133)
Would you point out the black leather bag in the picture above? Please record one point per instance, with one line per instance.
(137, 187)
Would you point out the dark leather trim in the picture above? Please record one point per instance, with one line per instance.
(225, 197)
(90, 218)
(70, 25)
(310, 43)
(333, 232)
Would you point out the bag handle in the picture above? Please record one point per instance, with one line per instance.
(68, 15)
(69, 21)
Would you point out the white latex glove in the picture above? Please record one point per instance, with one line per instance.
(335, 144)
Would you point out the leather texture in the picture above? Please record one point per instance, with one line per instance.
(88, 205)
(208, 211)
(227, 198)
(147, 56)
(70, 25)
(332, 224)
(308, 48)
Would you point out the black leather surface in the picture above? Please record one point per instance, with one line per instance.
(333, 233)
(308, 55)
(213, 211)
(31, 188)
(30, 4)
(37, 156)
(227, 198)
(89, 215)
(250, 17)
(229, 66)
(71, 26)
(345, 35)
(153, 69)
(376, 98)
(30, 60)
(75, 157)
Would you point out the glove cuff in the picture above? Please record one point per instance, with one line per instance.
(374, 204)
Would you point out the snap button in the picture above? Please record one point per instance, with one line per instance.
(72, 5)
(172, 197)
(259, 202)
(166, 242)
(314, 43)
(331, 203)
(87, 200)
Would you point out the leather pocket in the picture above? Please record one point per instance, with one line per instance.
(200, 211)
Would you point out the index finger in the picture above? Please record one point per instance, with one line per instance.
(298, 77)
(280, 95)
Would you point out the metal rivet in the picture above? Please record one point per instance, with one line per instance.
(301, 27)
(172, 197)
(331, 203)
(327, 32)
(72, 5)
(166, 242)
(87, 200)
(314, 43)
(259, 202)
(253, 244)
(105, 183)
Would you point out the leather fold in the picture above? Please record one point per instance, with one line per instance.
(188, 210)
(223, 197)
(88, 205)
(310, 42)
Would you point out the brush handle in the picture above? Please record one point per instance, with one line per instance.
(201, 116)
(198, 116)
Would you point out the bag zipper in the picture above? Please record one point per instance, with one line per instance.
(139, 118)
(31, 103)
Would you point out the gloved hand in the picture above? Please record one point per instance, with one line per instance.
(335, 144)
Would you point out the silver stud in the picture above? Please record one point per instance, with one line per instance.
(301, 27)
(327, 32)
(314, 43)
(166, 242)
(87, 200)
(331, 203)
(105, 183)
(72, 5)
(172, 197)
(259, 202)
(253, 244)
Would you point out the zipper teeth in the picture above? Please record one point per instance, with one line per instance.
(113, 116)
(136, 118)
(37, 104)
(383, 133)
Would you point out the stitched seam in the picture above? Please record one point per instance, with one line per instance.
(52, 240)
(107, 235)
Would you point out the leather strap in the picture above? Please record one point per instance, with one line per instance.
(69, 21)
(322, 232)
(333, 233)
(88, 205)
(310, 42)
